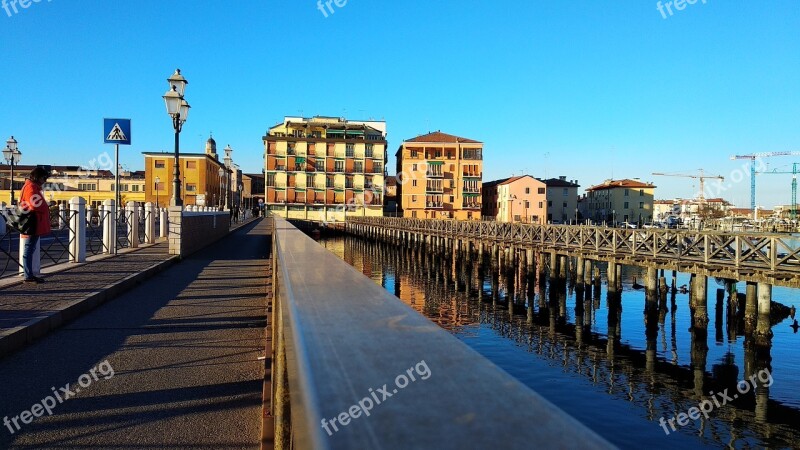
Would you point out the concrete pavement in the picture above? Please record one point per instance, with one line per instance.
(184, 349)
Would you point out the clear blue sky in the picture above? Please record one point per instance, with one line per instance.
(586, 89)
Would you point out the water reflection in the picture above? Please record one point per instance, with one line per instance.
(650, 350)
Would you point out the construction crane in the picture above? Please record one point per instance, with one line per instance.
(794, 185)
(702, 177)
(752, 159)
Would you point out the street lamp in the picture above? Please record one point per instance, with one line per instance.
(158, 182)
(178, 109)
(12, 156)
(221, 173)
(228, 150)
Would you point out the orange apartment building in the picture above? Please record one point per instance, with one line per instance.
(439, 177)
(325, 168)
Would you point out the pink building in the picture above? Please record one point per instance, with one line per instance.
(515, 199)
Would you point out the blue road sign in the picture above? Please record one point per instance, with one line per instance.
(117, 131)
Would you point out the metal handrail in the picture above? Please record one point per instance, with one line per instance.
(337, 337)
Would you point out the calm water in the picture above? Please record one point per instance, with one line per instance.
(612, 387)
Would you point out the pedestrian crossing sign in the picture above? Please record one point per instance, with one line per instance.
(117, 131)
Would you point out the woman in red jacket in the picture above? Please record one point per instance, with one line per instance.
(32, 199)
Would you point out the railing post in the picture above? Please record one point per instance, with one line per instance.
(77, 230)
(149, 223)
(109, 221)
(133, 224)
(164, 222)
(62, 216)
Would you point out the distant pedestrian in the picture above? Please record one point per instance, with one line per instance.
(32, 199)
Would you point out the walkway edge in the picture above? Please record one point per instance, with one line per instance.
(18, 337)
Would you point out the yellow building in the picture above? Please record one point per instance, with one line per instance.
(439, 177)
(325, 168)
(66, 182)
(201, 184)
(616, 201)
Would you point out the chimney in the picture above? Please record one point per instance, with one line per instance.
(563, 178)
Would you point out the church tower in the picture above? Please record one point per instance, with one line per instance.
(211, 147)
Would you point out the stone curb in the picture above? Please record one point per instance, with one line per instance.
(18, 337)
(15, 338)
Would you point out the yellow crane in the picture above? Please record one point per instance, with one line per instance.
(702, 177)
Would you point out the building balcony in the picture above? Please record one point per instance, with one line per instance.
(434, 190)
(472, 190)
(471, 206)
(434, 174)
(434, 205)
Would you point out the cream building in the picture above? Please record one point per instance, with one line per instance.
(617, 201)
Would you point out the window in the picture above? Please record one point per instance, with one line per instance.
(452, 199)
(627, 193)
(368, 151)
(320, 165)
(565, 204)
(191, 187)
(566, 192)
(88, 187)
(413, 198)
(541, 204)
(527, 204)
(338, 166)
(549, 203)
(271, 179)
(135, 188)
(452, 167)
(414, 183)
(359, 166)
(626, 205)
(413, 153)
(350, 150)
(641, 205)
(414, 167)
(540, 191)
(160, 164)
(191, 164)
(527, 190)
(641, 192)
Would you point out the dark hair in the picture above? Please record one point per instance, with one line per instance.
(39, 172)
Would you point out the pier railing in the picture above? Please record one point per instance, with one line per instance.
(343, 353)
(767, 254)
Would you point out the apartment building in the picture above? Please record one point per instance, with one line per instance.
(325, 168)
(626, 200)
(201, 183)
(516, 199)
(562, 200)
(440, 177)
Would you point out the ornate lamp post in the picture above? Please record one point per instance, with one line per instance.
(221, 173)
(228, 164)
(178, 109)
(12, 156)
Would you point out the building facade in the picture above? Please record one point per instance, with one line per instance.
(94, 185)
(617, 201)
(440, 177)
(201, 184)
(562, 200)
(325, 168)
(516, 199)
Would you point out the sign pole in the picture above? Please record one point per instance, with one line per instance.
(116, 177)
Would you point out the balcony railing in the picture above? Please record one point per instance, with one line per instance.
(434, 204)
(472, 190)
(471, 205)
(430, 188)
(434, 174)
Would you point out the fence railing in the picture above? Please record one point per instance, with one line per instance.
(78, 231)
(736, 250)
